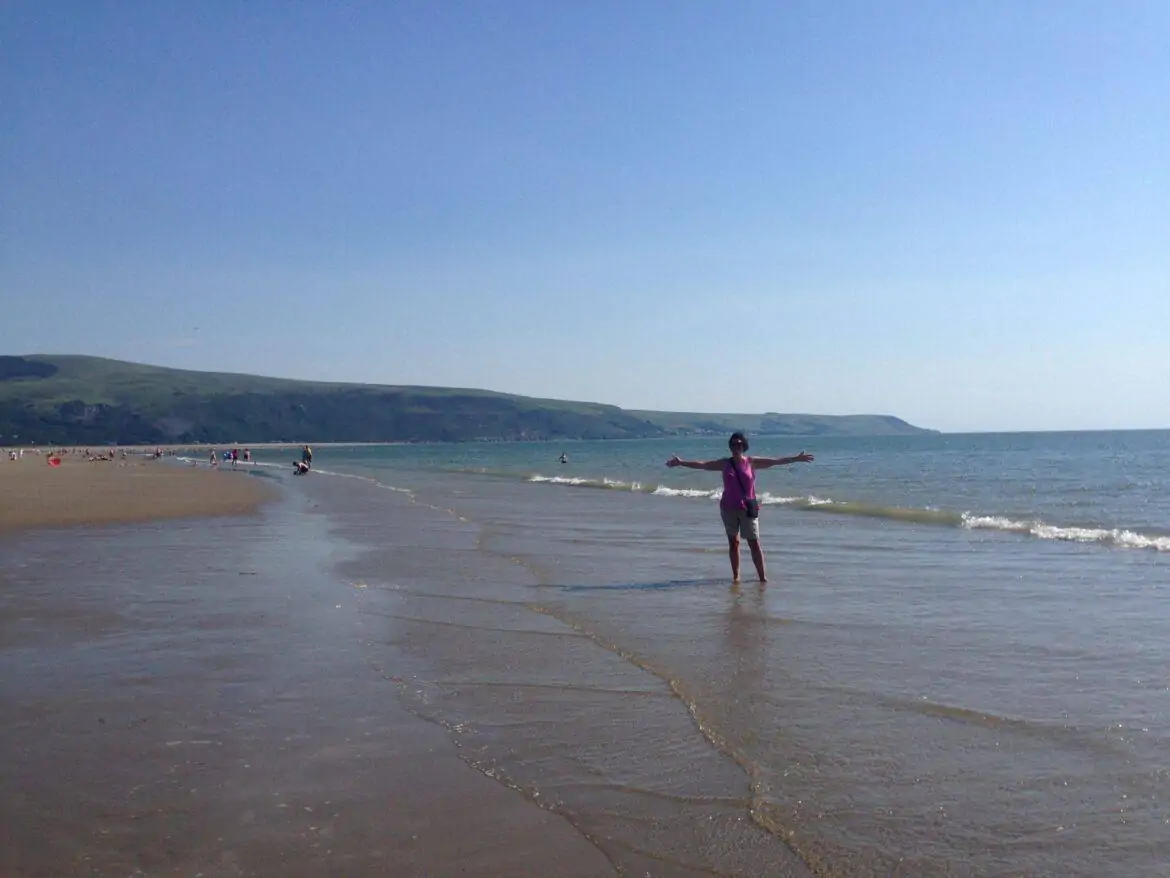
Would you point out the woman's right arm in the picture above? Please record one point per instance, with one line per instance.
(696, 464)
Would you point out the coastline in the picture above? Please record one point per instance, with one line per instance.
(574, 654)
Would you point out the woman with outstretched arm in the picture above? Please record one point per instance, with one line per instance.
(738, 506)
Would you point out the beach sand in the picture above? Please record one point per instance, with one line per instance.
(194, 696)
(34, 494)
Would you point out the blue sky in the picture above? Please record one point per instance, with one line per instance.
(953, 212)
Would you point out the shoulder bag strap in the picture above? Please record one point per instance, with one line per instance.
(735, 469)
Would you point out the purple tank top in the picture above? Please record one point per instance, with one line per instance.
(733, 495)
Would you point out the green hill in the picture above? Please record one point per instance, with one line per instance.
(49, 399)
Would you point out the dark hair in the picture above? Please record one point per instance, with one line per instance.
(740, 437)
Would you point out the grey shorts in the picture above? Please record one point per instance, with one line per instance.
(736, 521)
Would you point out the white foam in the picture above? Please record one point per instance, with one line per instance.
(663, 491)
(1120, 537)
(579, 482)
(995, 522)
(774, 500)
(1071, 534)
(243, 465)
(560, 480)
(1112, 536)
(1131, 540)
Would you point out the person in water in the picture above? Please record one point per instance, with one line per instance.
(739, 496)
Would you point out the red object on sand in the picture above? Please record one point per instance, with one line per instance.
(54, 461)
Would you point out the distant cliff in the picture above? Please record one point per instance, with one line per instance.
(48, 399)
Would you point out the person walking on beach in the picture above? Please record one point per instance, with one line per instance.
(738, 506)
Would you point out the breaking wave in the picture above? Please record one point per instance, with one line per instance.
(1117, 537)
(1110, 536)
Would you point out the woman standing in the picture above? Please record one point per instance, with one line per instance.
(738, 506)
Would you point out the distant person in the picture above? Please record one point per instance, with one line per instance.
(235, 457)
(213, 460)
(564, 457)
(300, 468)
(247, 455)
(738, 507)
(307, 456)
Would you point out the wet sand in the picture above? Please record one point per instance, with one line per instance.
(193, 697)
(34, 494)
(579, 727)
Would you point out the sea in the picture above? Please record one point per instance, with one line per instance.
(957, 668)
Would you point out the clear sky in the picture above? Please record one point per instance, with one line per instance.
(953, 212)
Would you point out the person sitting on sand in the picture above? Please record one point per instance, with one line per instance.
(738, 507)
(300, 468)
(307, 456)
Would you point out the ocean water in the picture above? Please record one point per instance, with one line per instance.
(957, 668)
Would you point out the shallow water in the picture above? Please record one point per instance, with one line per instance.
(907, 696)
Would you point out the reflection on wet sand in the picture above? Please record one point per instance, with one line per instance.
(192, 698)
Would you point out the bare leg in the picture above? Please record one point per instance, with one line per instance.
(733, 551)
(757, 559)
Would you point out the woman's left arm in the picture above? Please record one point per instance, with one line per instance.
(767, 462)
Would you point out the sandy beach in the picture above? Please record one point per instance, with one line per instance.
(136, 488)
